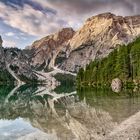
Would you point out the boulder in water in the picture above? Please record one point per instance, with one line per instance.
(116, 85)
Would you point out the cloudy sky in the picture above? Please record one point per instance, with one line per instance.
(23, 21)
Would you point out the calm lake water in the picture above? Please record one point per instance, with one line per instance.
(35, 113)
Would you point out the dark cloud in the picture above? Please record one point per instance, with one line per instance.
(21, 3)
(97, 6)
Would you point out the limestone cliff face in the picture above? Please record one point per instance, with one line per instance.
(45, 50)
(98, 37)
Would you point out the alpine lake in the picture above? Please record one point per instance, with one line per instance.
(33, 112)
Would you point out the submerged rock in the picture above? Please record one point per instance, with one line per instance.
(116, 85)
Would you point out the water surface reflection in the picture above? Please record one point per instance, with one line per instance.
(34, 112)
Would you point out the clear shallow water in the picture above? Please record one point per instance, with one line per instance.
(35, 113)
(13, 129)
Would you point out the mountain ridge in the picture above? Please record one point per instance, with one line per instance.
(71, 50)
(46, 49)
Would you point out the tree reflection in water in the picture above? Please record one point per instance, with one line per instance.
(66, 115)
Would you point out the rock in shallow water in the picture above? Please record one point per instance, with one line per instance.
(116, 85)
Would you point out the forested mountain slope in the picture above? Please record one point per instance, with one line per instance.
(122, 63)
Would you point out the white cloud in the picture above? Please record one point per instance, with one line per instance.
(10, 34)
(29, 20)
(9, 43)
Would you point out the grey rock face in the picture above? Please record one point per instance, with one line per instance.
(20, 65)
(16, 64)
(2, 58)
(45, 50)
(79, 58)
(1, 41)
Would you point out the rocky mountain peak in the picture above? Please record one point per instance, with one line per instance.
(107, 15)
(107, 28)
(1, 41)
(55, 39)
(99, 36)
(46, 49)
(71, 50)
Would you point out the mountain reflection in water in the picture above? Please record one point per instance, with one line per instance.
(35, 113)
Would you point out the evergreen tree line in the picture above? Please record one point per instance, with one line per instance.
(123, 63)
